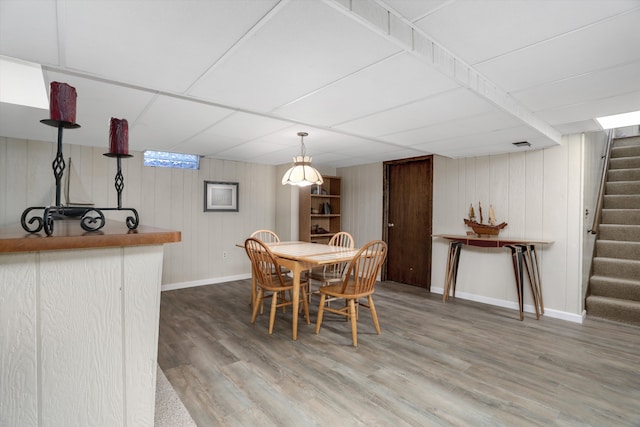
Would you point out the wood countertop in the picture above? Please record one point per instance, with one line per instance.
(69, 235)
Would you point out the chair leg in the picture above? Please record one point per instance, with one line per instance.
(272, 316)
(305, 305)
(354, 322)
(320, 312)
(374, 314)
(257, 303)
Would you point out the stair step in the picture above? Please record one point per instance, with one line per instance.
(625, 233)
(621, 216)
(617, 249)
(625, 163)
(625, 151)
(615, 288)
(623, 187)
(622, 201)
(626, 141)
(614, 309)
(623, 175)
(616, 268)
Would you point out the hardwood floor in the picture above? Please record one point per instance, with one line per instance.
(455, 364)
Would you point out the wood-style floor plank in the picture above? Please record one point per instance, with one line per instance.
(455, 364)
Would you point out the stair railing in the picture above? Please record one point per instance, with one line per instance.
(603, 184)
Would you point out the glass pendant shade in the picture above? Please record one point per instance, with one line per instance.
(302, 173)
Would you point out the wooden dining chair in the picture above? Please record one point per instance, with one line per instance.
(270, 281)
(329, 274)
(267, 236)
(358, 282)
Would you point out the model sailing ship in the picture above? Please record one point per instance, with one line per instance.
(490, 229)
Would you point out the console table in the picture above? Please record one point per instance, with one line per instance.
(79, 318)
(523, 255)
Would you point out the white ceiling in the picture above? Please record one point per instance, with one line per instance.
(370, 80)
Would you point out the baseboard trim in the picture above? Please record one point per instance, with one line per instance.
(203, 282)
(556, 314)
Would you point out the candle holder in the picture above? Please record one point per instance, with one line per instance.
(91, 218)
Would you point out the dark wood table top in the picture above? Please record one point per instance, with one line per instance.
(491, 242)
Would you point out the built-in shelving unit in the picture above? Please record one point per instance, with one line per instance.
(320, 210)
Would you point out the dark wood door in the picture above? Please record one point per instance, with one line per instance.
(408, 200)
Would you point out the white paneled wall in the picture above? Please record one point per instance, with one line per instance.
(539, 195)
(79, 336)
(166, 198)
(361, 202)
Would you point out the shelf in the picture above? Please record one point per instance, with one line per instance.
(311, 207)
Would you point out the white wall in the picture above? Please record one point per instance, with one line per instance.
(539, 193)
(361, 201)
(167, 198)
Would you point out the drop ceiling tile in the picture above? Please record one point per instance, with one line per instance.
(484, 143)
(492, 121)
(394, 81)
(483, 29)
(582, 88)
(592, 109)
(254, 151)
(233, 130)
(167, 46)
(17, 121)
(590, 49)
(172, 120)
(304, 47)
(442, 107)
(28, 30)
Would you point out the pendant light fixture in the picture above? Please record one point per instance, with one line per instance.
(302, 173)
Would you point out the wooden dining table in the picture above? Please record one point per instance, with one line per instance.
(299, 257)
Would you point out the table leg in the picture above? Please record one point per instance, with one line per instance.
(451, 275)
(516, 256)
(536, 275)
(447, 276)
(528, 264)
(456, 262)
(297, 271)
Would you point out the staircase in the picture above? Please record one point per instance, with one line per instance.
(614, 286)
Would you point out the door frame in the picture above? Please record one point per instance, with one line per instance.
(385, 200)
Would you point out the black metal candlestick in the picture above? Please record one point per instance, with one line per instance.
(91, 218)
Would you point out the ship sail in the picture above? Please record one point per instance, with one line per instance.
(74, 192)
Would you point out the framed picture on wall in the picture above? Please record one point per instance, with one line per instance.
(220, 196)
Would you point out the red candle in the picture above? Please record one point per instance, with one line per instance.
(62, 102)
(119, 136)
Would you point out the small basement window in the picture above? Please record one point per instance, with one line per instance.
(165, 159)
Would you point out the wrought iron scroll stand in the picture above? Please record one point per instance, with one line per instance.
(91, 218)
